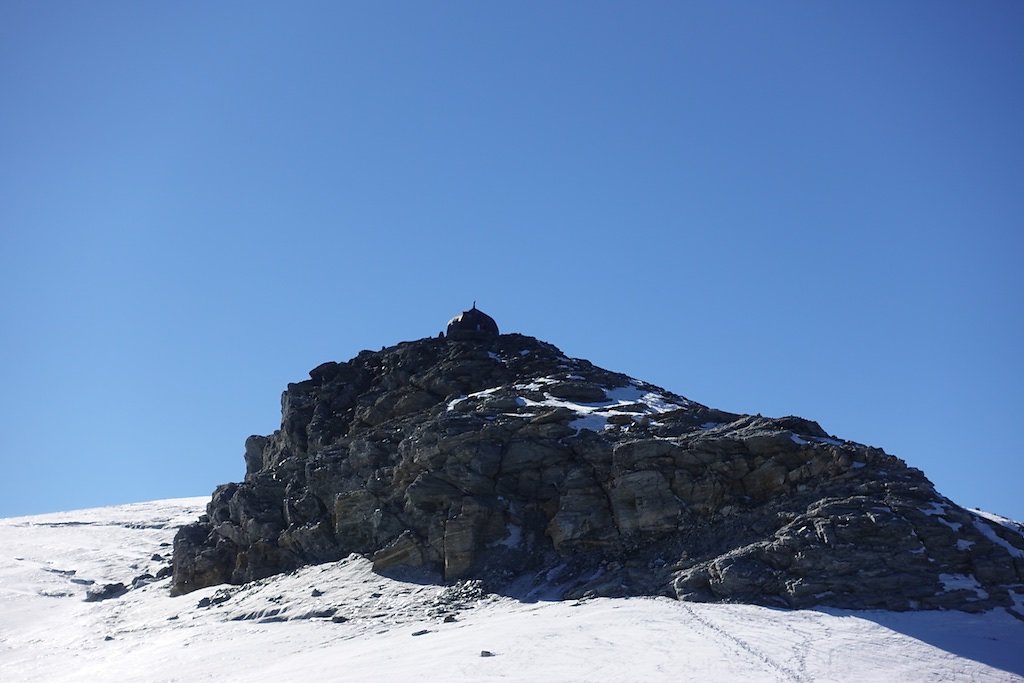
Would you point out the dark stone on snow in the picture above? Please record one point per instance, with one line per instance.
(105, 592)
(142, 580)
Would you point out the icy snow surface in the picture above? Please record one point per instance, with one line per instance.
(341, 622)
(962, 582)
(634, 399)
(618, 401)
(989, 533)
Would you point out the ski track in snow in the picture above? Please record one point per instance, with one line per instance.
(340, 621)
(745, 648)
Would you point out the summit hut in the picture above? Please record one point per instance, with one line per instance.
(472, 324)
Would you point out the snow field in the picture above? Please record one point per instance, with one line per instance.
(340, 621)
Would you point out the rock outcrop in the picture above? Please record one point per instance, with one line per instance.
(499, 458)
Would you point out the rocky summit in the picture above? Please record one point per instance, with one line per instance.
(476, 455)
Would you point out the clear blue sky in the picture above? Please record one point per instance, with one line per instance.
(810, 208)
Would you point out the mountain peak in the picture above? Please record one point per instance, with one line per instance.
(497, 457)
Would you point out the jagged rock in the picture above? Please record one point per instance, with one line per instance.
(107, 591)
(142, 579)
(404, 551)
(496, 457)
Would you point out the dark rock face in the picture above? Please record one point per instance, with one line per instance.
(501, 459)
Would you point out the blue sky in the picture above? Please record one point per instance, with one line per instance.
(782, 208)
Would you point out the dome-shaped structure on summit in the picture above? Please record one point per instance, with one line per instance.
(472, 324)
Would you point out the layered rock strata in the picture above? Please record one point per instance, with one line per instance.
(505, 460)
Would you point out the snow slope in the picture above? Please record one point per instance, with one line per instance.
(340, 621)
